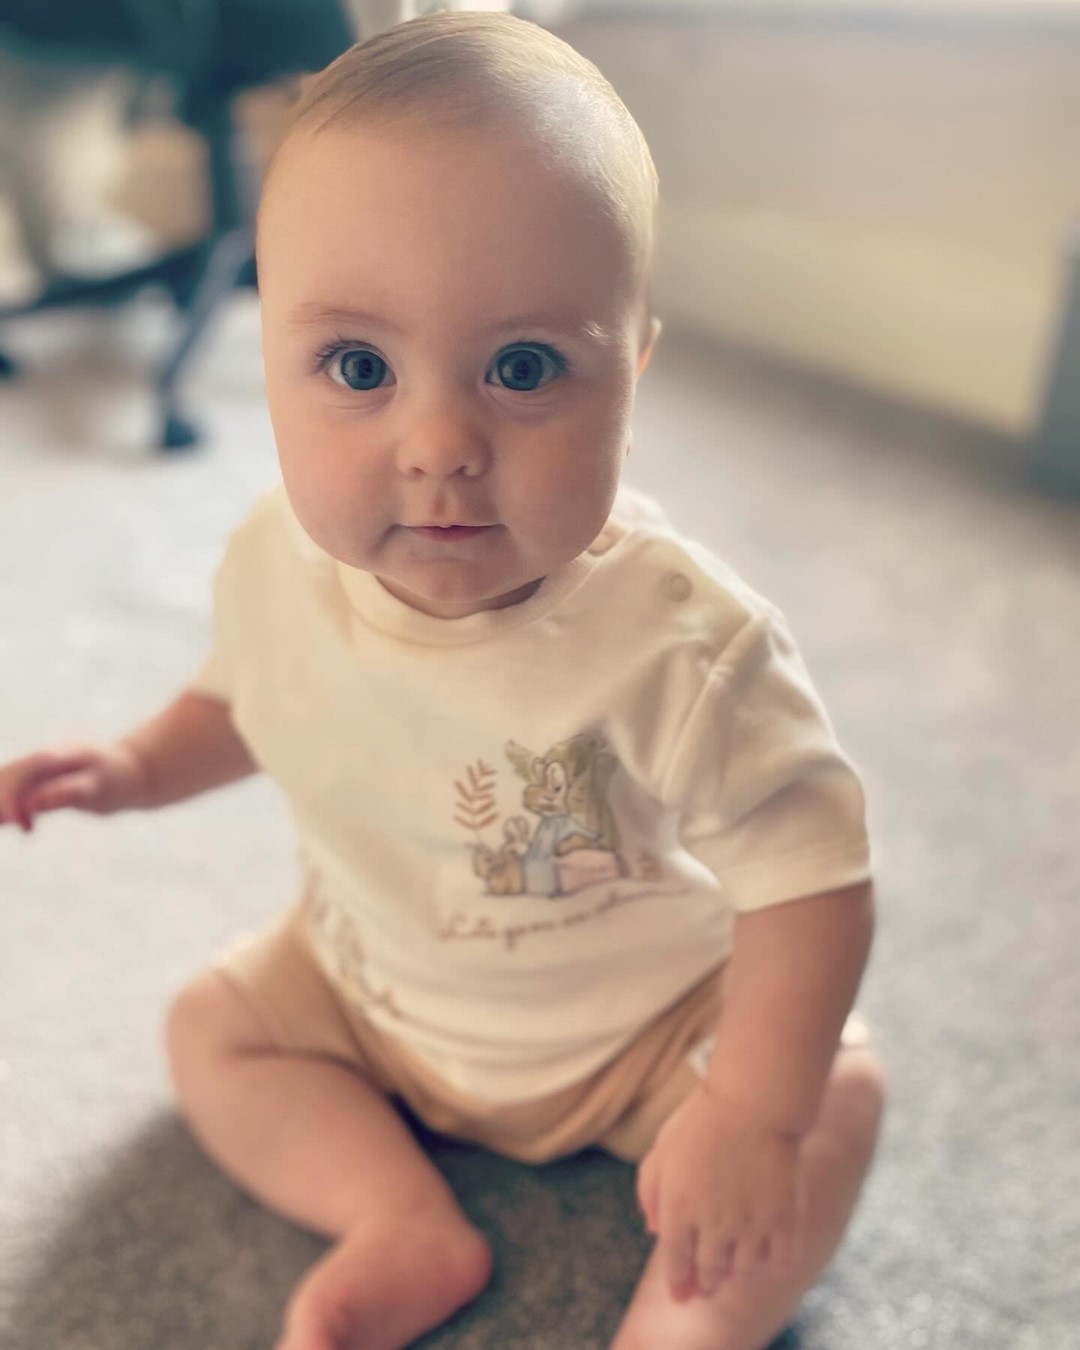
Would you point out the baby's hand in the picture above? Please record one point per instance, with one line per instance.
(98, 778)
(718, 1191)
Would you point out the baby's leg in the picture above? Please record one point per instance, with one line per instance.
(748, 1311)
(309, 1138)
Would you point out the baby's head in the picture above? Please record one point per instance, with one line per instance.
(454, 249)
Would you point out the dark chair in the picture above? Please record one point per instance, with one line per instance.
(1057, 437)
(209, 51)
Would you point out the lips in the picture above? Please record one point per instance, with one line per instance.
(450, 531)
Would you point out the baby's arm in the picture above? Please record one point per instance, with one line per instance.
(792, 978)
(718, 1188)
(188, 748)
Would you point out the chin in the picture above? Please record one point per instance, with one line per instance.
(465, 599)
(422, 593)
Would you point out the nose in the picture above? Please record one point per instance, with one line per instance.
(442, 439)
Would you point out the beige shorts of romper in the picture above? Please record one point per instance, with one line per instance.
(620, 1108)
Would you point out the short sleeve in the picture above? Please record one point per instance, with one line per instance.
(236, 593)
(767, 799)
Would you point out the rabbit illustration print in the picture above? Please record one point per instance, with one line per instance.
(571, 840)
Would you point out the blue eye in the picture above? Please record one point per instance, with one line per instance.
(523, 369)
(358, 369)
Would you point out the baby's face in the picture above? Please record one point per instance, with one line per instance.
(451, 338)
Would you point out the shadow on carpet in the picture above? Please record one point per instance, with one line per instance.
(163, 1252)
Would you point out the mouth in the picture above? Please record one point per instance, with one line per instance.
(450, 531)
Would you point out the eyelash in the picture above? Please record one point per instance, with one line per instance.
(324, 357)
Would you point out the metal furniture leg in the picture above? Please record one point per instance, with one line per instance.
(1057, 439)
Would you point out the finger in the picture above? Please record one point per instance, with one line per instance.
(750, 1252)
(8, 813)
(50, 763)
(782, 1246)
(713, 1265)
(72, 790)
(13, 811)
(26, 774)
(680, 1259)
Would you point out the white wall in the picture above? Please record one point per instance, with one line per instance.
(881, 198)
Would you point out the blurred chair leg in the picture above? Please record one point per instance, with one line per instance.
(229, 257)
(1057, 440)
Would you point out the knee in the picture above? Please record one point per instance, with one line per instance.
(473, 1265)
(442, 1247)
(451, 1241)
(447, 1241)
(857, 1096)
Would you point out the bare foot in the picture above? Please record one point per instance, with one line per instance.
(380, 1290)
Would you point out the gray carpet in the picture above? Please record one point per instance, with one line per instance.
(937, 597)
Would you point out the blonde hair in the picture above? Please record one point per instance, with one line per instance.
(479, 71)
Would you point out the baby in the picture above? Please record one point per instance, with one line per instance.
(583, 863)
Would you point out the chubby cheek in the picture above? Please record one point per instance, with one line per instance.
(567, 495)
(316, 504)
(594, 459)
(318, 476)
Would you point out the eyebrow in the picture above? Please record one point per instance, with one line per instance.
(315, 312)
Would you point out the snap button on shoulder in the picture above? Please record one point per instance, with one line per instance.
(677, 586)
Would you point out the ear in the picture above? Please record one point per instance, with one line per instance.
(651, 332)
